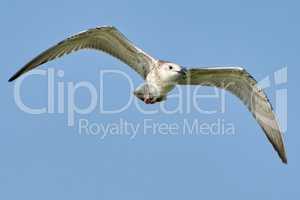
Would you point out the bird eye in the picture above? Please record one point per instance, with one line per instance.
(170, 67)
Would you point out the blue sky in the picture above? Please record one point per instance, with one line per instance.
(43, 158)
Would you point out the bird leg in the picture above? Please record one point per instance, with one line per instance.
(149, 100)
(145, 94)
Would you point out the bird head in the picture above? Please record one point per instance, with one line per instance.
(171, 72)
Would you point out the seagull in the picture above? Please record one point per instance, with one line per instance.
(160, 76)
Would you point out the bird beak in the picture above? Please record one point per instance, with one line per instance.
(183, 71)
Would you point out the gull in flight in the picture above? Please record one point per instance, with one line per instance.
(162, 76)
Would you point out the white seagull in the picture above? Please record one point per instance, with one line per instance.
(162, 76)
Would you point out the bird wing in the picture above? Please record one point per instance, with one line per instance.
(239, 82)
(107, 39)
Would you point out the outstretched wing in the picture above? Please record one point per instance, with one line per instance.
(239, 82)
(107, 39)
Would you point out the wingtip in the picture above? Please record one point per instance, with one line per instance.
(18, 74)
(282, 155)
(13, 78)
(106, 27)
(285, 162)
(284, 159)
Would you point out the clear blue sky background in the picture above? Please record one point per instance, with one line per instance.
(43, 158)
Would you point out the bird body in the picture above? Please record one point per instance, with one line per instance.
(162, 76)
(159, 82)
